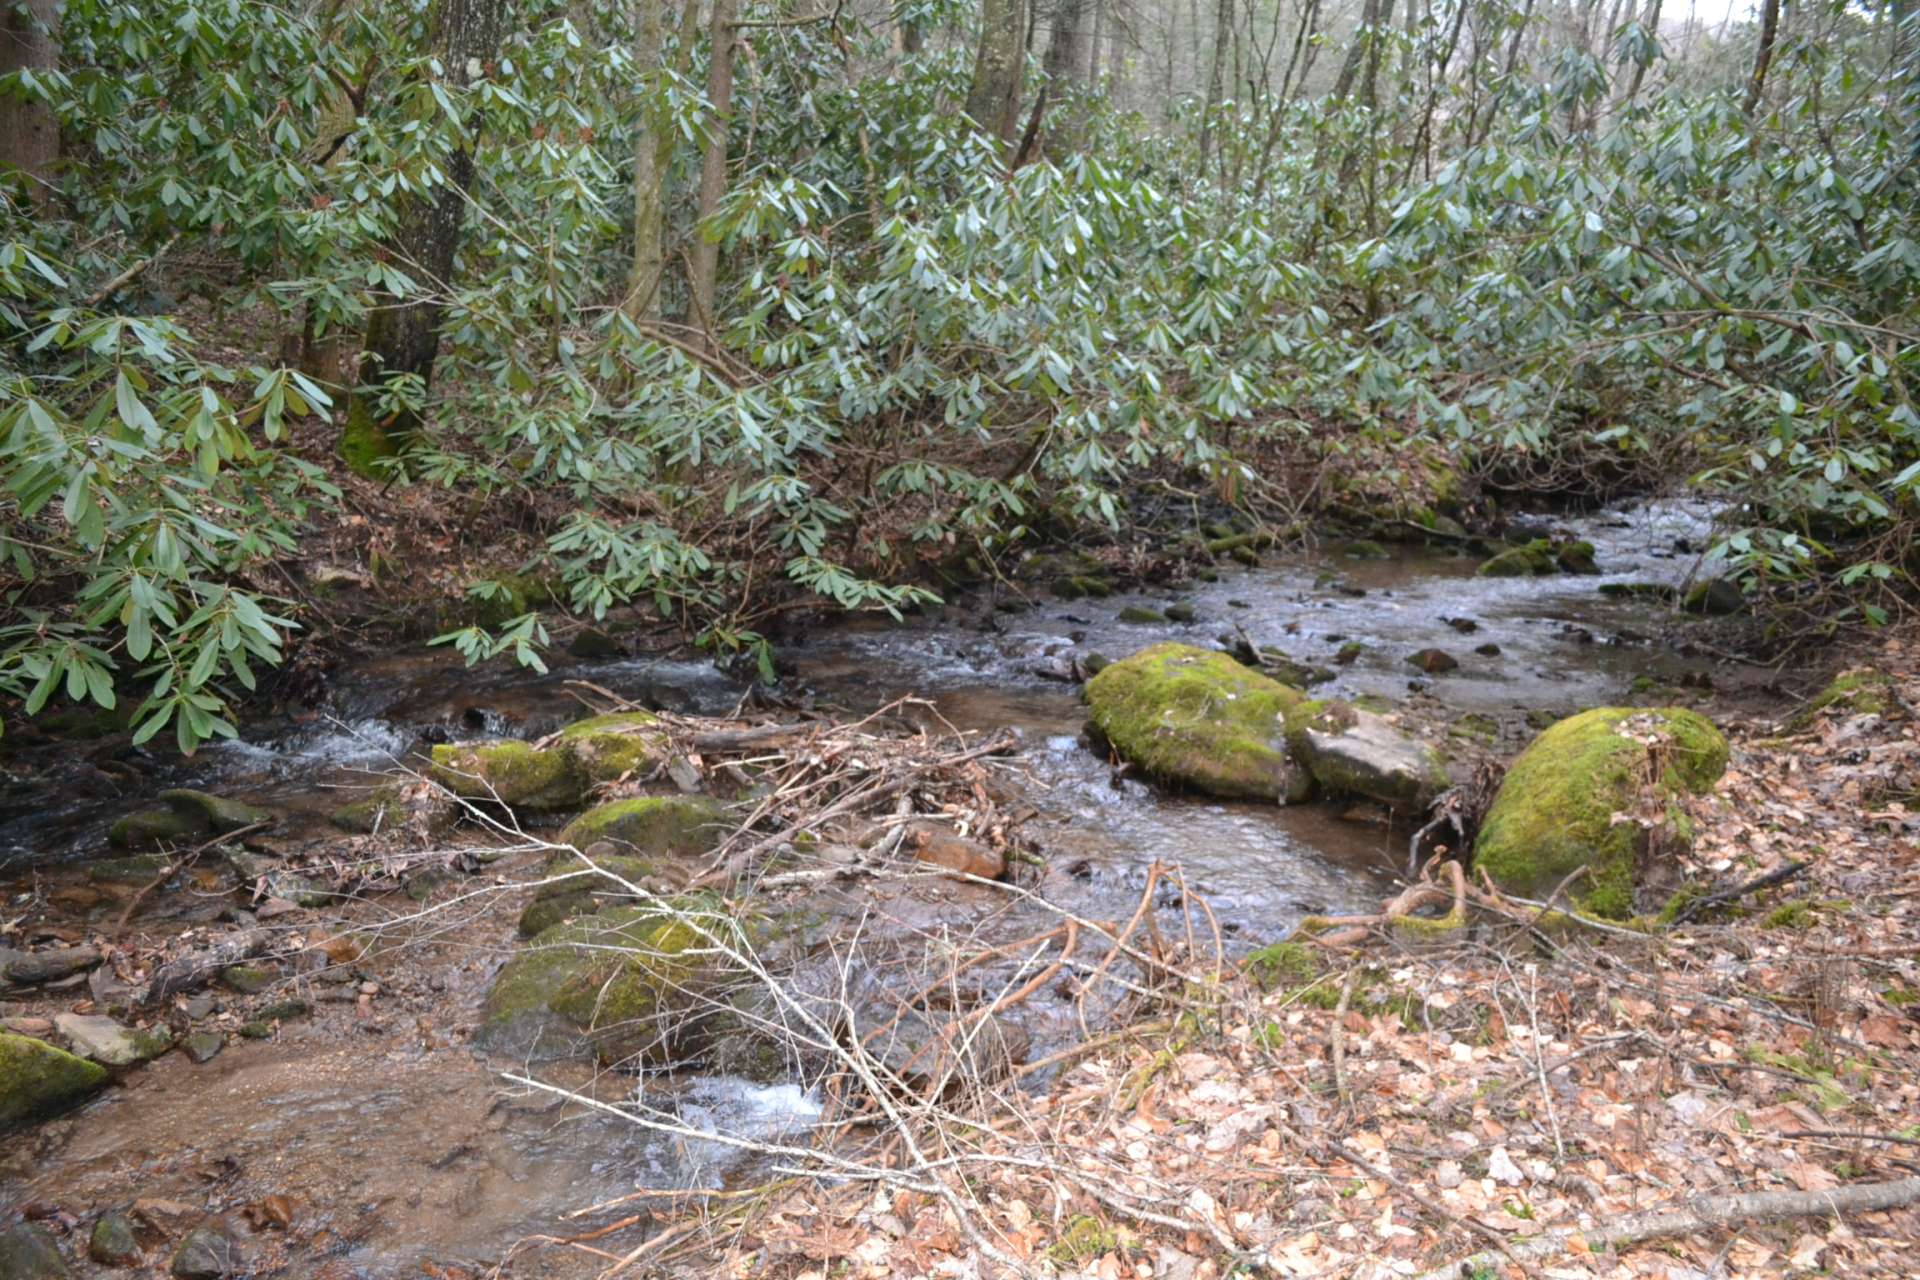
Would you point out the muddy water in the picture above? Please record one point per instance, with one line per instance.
(400, 1147)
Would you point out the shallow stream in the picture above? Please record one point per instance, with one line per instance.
(401, 1147)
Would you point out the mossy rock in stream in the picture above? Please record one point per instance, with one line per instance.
(1540, 557)
(1555, 810)
(1860, 692)
(658, 826)
(579, 889)
(609, 746)
(380, 810)
(188, 816)
(516, 774)
(1353, 751)
(1199, 719)
(1068, 574)
(37, 1079)
(630, 985)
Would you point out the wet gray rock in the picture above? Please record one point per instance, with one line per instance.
(207, 1253)
(1433, 661)
(113, 1242)
(297, 889)
(1355, 752)
(204, 1046)
(108, 1043)
(28, 1253)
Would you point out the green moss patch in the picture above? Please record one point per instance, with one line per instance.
(610, 746)
(1555, 810)
(37, 1079)
(513, 773)
(578, 890)
(683, 826)
(1540, 557)
(1200, 719)
(1861, 692)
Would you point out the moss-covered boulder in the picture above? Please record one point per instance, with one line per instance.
(632, 985)
(609, 746)
(37, 1079)
(1540, 557)
(516, 774)
(381, 809)
(1861, 692)
(27, 1252)
(1555, 810)
(1200, 719)
(574, 888)
(665, 826)
(1714, 596)
(186, 815)
(1352, 751)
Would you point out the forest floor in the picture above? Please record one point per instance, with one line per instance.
(1706, 1102)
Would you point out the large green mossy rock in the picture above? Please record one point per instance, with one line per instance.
(1351, 751)
(516, 774)
(660, 826)
(187, 815)
(1862, 692)
(630, 985)
(1555, 810)
(573, 888)
(37, 1079)
(28, 1253)
(1199, 719)
(611, 746)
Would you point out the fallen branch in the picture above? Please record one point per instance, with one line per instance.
(1778, 876)
(1702, 1213)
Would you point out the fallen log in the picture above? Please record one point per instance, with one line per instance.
(1701, 1213)
(197, 968)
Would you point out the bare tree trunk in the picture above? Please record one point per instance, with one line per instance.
(994, 98)
(1065, 66)
(1762, 55)
(29, 134)
(1222, 34)
(1098, 43)
(1362, 37)
(649, 165)
(403, 335)
(713, 167)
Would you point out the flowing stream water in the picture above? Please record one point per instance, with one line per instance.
(400, 1147)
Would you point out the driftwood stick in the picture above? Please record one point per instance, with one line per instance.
(1720, 899)
(1702, 1213)
(197, 968)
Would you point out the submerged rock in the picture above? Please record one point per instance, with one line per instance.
(513, 773)
(630, 985)
(1350, 751)
(380, 810)
(207, 1252)
(112, 1242)
(188, 815)
(1715, 596)
(1555, 811)
(29, 1253)
(1433, 661)
(36, 1078)
(1199, 719)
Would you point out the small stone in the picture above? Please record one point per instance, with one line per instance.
(285, 1011)
(297, 889)
(1180, 613)
(1142, 616)
(593, 643)
(1488, 650)
(273, 907)
(247, 979)
(942, 848)
(113, 1242)
(204, 1046)
(257, 1030)
(1349, 653)
(200, 1006)
(1465, 626)
(142, 868)
(1433, 661)
(206, 1254)
(28, 1253)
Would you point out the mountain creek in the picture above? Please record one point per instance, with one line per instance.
(365, 1117)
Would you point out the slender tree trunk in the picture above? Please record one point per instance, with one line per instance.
(1762, 55)
(1639, 66)
(1222, 35)
(713, 167)
(1065, 66)
(29, 134)
(1356, 51)
(403, 334)
(1099, 36)
(649, 206)
(994, 98)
